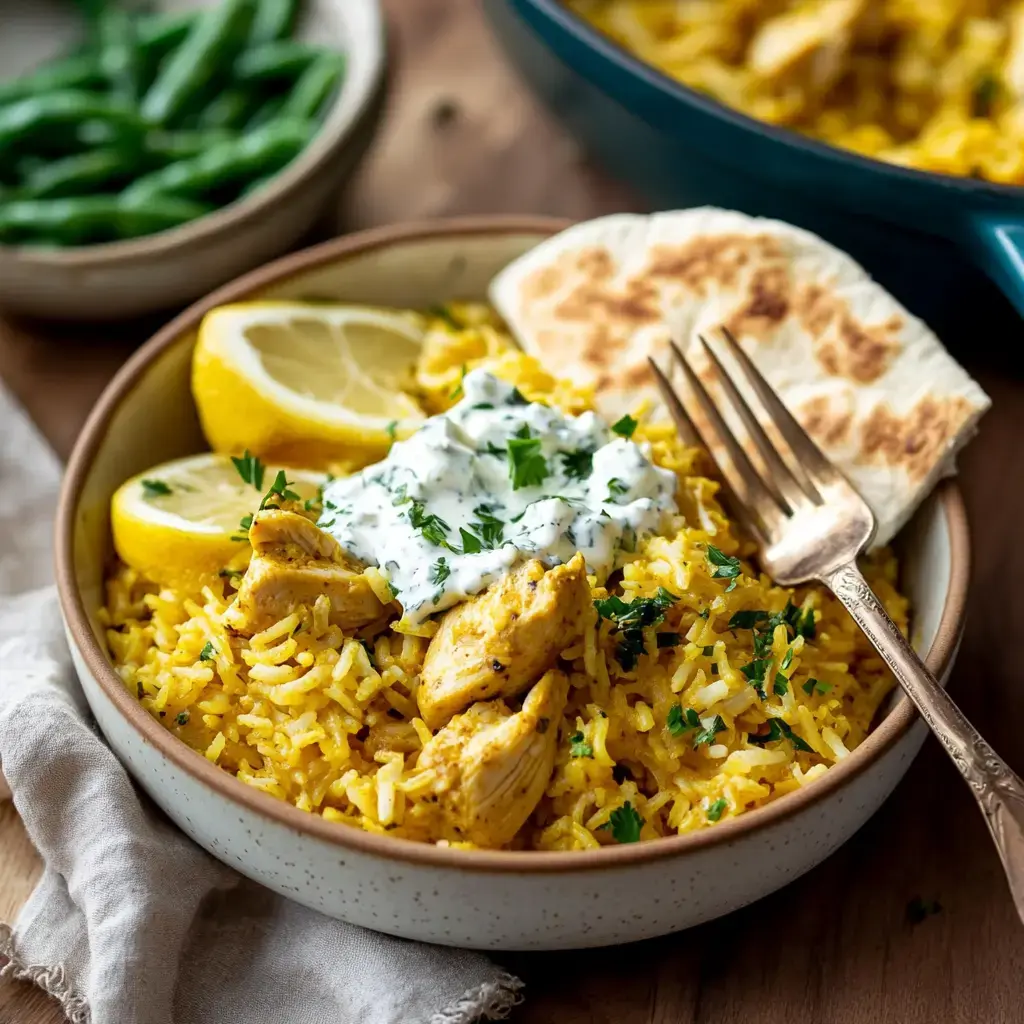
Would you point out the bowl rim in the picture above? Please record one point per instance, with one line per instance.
(892, 729)
(343, 119)
(595, 39)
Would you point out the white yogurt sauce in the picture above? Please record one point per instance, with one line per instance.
(494, 481)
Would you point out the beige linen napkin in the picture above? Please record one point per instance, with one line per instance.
(131, 923)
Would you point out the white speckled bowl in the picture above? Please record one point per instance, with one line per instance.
(163, 271)
(489, 900)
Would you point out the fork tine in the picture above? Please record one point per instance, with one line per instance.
(745, 479)
(681, 418)
(748, 520)
(812, 461)
(791, 491)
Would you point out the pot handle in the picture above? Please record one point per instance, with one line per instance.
(998, 243)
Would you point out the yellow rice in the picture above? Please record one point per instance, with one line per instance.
(329, 722)
(931, 84)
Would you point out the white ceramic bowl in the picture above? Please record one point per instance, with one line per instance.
(490, 900)
(125, 279)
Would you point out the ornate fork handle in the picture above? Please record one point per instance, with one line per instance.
(998, 790)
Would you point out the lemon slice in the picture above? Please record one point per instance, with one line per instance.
(306, 384)
(178, 523)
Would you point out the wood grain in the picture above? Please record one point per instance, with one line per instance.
(835, 947)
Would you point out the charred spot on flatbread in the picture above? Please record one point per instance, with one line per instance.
(915, 441)
(712, 260)
(842, 344)
(767, 303)
(826, 420)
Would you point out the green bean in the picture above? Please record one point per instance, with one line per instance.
(79, 174)
(259, 183)
(214, 41)
(282, 59)
(313, 89)
(31, 120)
(92, 219)
(274, 19)
(231, 164)
(231, 109)
(119, 55)
(82, 71)
(171, 147)
(161, 33)
(266, 113)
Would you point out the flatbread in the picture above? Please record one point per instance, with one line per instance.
(869, 381)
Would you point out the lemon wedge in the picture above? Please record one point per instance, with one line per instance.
(178, 523)
(304, 383)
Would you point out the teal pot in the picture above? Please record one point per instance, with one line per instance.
(952, 249)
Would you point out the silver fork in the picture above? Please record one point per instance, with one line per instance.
(810, 524)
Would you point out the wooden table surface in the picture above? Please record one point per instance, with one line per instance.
(835, 947)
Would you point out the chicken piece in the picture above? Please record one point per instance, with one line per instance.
(497, 643)
(294, 562)
(815, 36)
(492, 765)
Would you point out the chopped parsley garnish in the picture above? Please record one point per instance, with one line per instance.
(703, 614)
(806, 627)
(985, 92)
(401, 496)
(814, 684)
(578, 747)
(630, 646)
(445, 314)
(488, 528)
(439, 572)
(777, 730)
(679, 721)
(391, 429)
(625, 824)
(527, 467)
(747, 620)
(616, 488)
(470, 545)
(209, 652)
(250, 469)
(243, 525)
(577, 465)
(708, 735)
(278, 489)
(517, 398)
(155, 488)
(919, 910)
(366, 645)
(432, 527)
(182, 717)
(394, 590)
(625, 426)
(456, 391)
(755, 671)
(723, 566)
(667, 639)
(641, 611)
(708, 651)
(795, 623)
(787, 659)
(717, 809)
(781, 685)
(630, 618)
